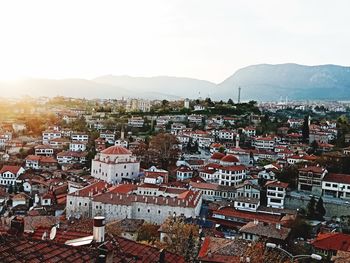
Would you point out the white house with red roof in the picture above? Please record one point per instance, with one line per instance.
(39, 162)
(184, 173)
(77, 146)
(115, 164)
(336, 185)
(9, 174)
(45, 150)
(276, 193)
(264, 143)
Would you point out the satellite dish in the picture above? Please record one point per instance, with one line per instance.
(44, 236)
(53, 233)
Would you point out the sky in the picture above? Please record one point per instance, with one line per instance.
(205, 39)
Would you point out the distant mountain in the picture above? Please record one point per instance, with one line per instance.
(258, 82)
(270, 82)
(171, 86)
(110, 87)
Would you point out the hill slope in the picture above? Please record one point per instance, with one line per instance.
(269, 82)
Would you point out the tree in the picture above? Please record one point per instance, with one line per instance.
(164, 149)
(148, 232)
(305, 129)
(320, 210)
(230, 101)
(310, 210)
(313, 147)
(299, 229)
(10, 189)
(182, 238)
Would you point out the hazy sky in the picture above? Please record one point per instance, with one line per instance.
(202, 39)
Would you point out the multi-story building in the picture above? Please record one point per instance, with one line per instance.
(40, 162)
(136, 122)
(69, 157)
(45, 150)
(226, 135)
(264, 143)
(115, 164)
(50, 135)
(81, 137)
(9, 174)
(276, 192)
(149, 202)
(310, 179)
(77, 146)
(197, 119)
(232, 175)
(184, 173)
(138, 105)
(109, 136)
(336, 185)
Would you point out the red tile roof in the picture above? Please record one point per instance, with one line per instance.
(217, 156)
(94, 188)
(230, 159)
(116, 150)
(337, 178)
(332, 241)
(276, 184)
(10, 168)
(248, 216)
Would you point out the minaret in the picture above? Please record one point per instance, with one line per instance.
(122, 137)
(237, 140)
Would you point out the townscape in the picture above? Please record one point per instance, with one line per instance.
(190, 180)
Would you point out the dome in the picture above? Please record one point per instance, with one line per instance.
(230, 159)
(116, 150)
(217, 156)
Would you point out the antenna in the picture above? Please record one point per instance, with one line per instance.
(53, 233)
(239, 95)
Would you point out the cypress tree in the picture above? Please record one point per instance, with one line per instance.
(320, 210)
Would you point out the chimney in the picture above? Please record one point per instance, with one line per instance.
(99, 229)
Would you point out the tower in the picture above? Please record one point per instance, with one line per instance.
(237, 140)
(239, 95)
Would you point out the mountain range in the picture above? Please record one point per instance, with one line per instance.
(259, 82)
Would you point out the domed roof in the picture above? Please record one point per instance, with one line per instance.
(116, 150)
(230, 159)
(217, 156)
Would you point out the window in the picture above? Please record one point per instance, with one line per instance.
(148, 210)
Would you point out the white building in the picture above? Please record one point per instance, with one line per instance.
(152, 203)
(264, 143)
(336, 185)
(109, 136)
(115, 164)
(69, 157)
(136, 122)
(197, 119)
(226, 135)
(82, 137)
(45, 150)
(77, 146)
(9, 174)
(50, 135)
(40, 162)
(276, 193)
(184, 173)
